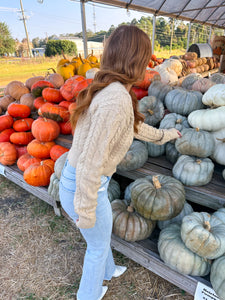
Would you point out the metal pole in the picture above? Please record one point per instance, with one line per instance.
(210, 34)
(83, 17)
(153, 33)
(171, 38)
(24, 22)
(189, 35)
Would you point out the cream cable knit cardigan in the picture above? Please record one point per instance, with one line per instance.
(101, 139)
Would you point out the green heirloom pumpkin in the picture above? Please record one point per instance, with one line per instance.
(135, 158)
(204, 234)
(195, 142)
(183, 102)
(127, 192)
(187, 209)
(113, 190)
(208, 119)
(217, 277)
(128, 224)
(158, 197)
(191, 170)
(152, 109)
(177, 256)
(53, 188)
(155, 150)
(159, 90)
(171, 153)
(59, 164)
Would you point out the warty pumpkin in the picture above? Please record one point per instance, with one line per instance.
(177, 256)
(128, 224)
(69, 87)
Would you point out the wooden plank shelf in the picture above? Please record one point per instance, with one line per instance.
(211, 195)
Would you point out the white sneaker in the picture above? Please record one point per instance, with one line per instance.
(119, 271)
(104, 290)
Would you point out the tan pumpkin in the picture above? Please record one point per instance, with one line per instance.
(5, 101)
(128, 224)
(16, 89)
(28, 99)
(30, 81)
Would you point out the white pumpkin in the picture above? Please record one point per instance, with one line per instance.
(173, 64)
(167, 75)
(219, 149)
(208, 119)
(90, 74)
(215, 96)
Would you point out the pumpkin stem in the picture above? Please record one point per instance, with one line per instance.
(197, 129)
(54, 71)
(222, 140)
(156, 182)
(151, 112)
(198, 161)
(63, 55)
(178, 121)
(81, 59)
(130, 208)
(206, 225)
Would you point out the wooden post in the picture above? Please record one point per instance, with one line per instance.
(153, 33)
(83, 17)
(171, 37)
(189, 35)
(25, 27)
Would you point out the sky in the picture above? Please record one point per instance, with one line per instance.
(60, 17)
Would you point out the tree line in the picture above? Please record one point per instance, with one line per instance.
(169, 33)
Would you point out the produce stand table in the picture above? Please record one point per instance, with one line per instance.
(143, 252)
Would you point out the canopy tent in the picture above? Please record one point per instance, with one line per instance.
(206, 12)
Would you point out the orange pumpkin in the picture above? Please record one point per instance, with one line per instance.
(69, 88)
(45, 130)
(38, 174)
(17, 110)
(23, 124)
(54, 112)
(65, 127)
(40, 149)
(8, 153)
(66, 103)
(5, 134)
(52, 95)
(56, 151)
(21, 138)
(26, 160)
(39, 101)
(150, 76)
(6, 121)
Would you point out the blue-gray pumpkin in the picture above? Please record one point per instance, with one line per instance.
(152, 108)
(135, 157)
(192, 170)
(195, 142)
(113, 190)
(171, 153)
(155, 150)
(174, 120)
(177, 256)
(159, 90)
(183, 102)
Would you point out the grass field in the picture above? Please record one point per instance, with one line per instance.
(22, 69)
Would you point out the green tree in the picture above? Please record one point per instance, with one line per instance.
(7, 43)
(56, 47)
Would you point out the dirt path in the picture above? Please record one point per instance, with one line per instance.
(41, 256)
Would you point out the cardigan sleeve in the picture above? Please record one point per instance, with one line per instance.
(149, 133)
(90, 165)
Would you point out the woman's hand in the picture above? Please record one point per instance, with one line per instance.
(178, 132)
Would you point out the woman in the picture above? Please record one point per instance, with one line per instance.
(106, 121)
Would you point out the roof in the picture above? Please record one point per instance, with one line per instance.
(207, 12)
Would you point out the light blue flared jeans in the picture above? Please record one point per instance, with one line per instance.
(98, 260)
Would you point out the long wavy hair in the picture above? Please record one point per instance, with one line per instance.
(125, 57)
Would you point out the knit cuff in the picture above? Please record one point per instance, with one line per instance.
(84, 222)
